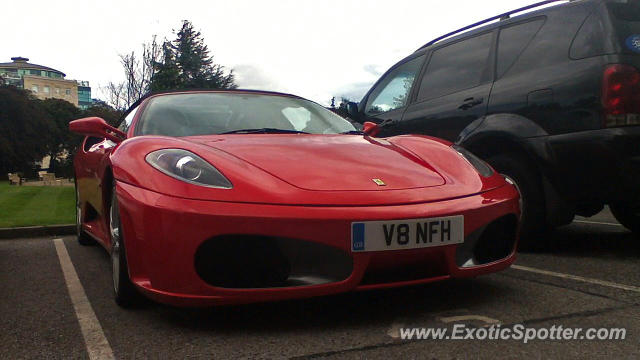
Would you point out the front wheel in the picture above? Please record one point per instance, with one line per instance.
(124, 291)
(627, 215)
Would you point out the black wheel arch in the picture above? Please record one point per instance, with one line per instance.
(511, 133)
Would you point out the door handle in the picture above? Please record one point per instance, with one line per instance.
(470, 102)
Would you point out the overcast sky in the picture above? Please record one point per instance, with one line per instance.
(315, 49)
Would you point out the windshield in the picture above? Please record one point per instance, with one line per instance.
(219, 113)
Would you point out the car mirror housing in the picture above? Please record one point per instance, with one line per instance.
(352, 110)
(96, 127)
(371, 128)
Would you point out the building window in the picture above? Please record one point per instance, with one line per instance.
(10, 72)
(67, 92)
(45, 89)
(57, 91)
(34, 88)
(35, 72)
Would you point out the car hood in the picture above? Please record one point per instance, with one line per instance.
(314, 170)
(330, 163)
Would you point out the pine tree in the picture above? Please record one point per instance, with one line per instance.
(187, 64)
(167, 72)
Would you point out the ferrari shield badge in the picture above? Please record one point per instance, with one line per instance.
(379, 182)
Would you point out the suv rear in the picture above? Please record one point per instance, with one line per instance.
(550, 98)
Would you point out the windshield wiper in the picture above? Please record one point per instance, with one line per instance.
(352, 132)
(263, 131)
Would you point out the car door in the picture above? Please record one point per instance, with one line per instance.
(90, 174)
(89, 181)
(387, 100)
(454, 88)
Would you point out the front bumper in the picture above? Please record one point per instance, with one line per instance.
(163, 234)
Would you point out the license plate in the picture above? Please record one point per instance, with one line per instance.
(406, 234)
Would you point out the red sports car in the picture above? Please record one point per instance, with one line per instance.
(226, 197)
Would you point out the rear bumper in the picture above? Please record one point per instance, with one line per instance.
(593, 166)
(163, 234)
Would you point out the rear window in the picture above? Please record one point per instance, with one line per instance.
(625, 11)
(513, 41)
(590, 39)
(625, 17)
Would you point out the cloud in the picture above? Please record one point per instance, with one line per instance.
(373, 69)
(302, 47)
(354, 91)
(249, 76)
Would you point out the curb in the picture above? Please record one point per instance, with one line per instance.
(36, 231)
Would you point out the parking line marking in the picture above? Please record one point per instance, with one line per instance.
(596, 222)
(578, 278)
(394, 330)
(94, 338)
(485, 319)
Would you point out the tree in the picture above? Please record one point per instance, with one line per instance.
(101, 109)
(23, 130)
(60, 142)
(184, 63)
(115, 95)
(138, 71)
(187, 64)
(168, 72)
(400, 100)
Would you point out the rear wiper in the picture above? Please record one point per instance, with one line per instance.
(263, 131)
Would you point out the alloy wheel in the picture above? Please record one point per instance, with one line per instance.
(78, 214)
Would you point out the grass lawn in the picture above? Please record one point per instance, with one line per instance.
(36, 205)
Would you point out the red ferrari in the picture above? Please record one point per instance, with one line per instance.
(226, 197)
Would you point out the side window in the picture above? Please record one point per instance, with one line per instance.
(590, 40)
(393, 91)
(126, 123)
(90, 142)
(513, 41)
(456, 67)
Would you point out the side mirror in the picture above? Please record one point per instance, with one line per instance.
(352, 110)
(371, 128)
(96, 127)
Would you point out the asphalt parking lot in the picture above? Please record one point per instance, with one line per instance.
(588, 278)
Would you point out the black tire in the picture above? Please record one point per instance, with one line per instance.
(525, 177)
(627, 215)
(125, 293)
(83, 238)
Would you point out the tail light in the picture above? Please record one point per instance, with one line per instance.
(621, 95)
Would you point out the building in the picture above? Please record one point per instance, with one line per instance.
(45, 82)
(84, 94)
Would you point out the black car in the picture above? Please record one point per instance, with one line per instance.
(550, 98)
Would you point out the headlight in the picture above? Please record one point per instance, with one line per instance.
(482, 167)
(188, 167)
